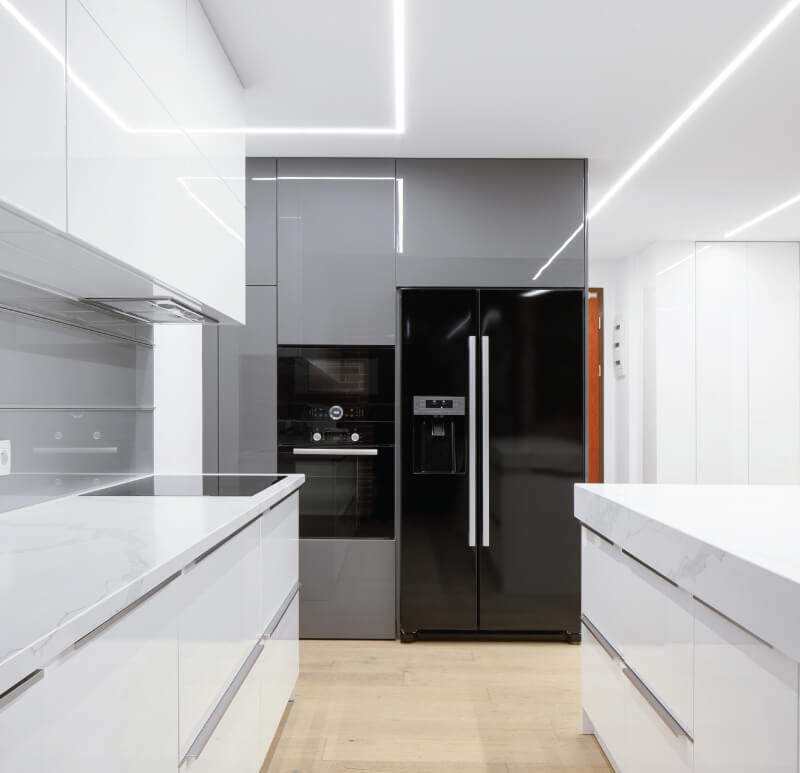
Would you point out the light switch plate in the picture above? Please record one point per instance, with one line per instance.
(5, 457)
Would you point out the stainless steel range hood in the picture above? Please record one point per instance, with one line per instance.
(155, 311)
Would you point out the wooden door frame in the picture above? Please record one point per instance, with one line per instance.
(592, 293)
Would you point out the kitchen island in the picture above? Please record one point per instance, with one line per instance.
(691, 625)
(148, 632)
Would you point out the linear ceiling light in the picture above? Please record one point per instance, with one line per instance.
(697, 103)
(763, 216)
(399, 82)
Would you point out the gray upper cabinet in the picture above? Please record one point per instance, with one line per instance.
(490, 222)
(261, 191)
(336, 251)
(248, 388)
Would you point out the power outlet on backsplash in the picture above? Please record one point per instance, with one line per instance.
(5, 457)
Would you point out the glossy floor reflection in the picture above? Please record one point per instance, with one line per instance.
(435, 708)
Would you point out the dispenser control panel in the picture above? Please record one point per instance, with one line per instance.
(432, 405)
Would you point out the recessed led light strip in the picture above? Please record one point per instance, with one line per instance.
(755, 43)
(399, 42)
(764, 216)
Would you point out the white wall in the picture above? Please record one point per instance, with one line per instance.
(712, 386)
(178, 389)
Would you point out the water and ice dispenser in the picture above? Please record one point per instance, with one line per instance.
(439, 435)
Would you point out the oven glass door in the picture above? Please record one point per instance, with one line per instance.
(348, 493)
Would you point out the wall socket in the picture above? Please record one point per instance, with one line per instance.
(5, 457)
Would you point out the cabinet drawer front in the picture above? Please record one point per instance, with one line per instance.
(235, 743)
(603, 694)
(279, 555)
(220, 623)
(745, 700)
(602, 575)
(658, 637)
(645, 618)
(279, 669)
(651, 743)
(108, 705)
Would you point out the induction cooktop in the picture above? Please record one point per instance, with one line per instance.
(190, 486)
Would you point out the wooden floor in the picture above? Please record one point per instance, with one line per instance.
(435, 708)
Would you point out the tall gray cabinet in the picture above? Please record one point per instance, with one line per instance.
(336, 232)
(239, 362)
(490, 222)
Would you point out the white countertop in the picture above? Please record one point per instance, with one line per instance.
(737, 548)
(70, 564)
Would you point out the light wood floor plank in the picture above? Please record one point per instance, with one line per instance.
(438, 707)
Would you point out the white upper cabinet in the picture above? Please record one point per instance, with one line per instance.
(109, 152)
(32, 146)
(138, 188)
(213, 98)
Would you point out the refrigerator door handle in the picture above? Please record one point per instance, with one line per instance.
(485, 434)
(471, 430)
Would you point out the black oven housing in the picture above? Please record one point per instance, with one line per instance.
(336, 426)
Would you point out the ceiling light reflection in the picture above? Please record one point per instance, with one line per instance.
(558, 252)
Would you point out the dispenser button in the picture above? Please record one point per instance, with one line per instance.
(316, 437)
(355, 437)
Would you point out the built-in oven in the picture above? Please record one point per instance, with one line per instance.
(336, 426)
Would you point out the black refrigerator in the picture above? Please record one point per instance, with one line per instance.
(492, 434)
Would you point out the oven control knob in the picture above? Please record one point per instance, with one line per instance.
(355, 437)
(316, 437)
(336, 412)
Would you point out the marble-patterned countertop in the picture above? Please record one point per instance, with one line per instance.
(70, 564)
(736, 548)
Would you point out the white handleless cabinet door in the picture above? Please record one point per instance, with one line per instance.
(280, 550)
(279, 670)
(745, 705)
(24, 728)
(220, 623)
(109, 704)
(32, 89)
(151, 35)
(138, 188)
(213, 99)
(773, 305)
(721, 363)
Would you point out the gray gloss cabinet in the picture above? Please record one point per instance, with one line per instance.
(336, 230)
(348, 589)
(489, 222)
(260, 223)
(248, 388)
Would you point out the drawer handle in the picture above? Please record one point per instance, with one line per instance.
(124, 611)
(278, 616)
(600, 639)
(13, 692)
(657, 706)
(204, 736)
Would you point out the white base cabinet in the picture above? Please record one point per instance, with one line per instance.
(109, 704)
(746, 697)
(672, 686)
(189, 678)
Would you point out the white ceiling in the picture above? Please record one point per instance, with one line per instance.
(538, 78)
